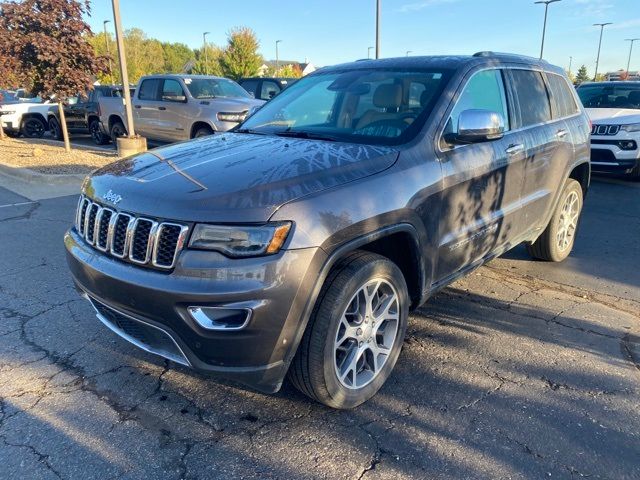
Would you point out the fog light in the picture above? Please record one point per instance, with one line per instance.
(220, 318)
(627, 144)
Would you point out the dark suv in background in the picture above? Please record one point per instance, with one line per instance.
(264, 88)
(297, 244)
(82, 113)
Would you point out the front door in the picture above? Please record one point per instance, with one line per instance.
(173, 116)
(481, 181)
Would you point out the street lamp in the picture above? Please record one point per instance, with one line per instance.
(630, 50)
(106, 42)
(377, 28)
(408, 52)
(277, 58)
(206, 58)
(544, 25)
(570, 63)
(369, 52)
(601, 25)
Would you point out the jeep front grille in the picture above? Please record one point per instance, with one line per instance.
(605, 129)
(136, 239)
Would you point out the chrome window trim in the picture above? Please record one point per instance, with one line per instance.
(179, 244)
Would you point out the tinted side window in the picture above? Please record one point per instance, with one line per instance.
(532, 97)
(269, 89)
(250, 86)
(171, 89)
(149, 89)
(563, 99)
(484, 91)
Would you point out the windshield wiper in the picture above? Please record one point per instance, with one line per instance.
(248, 130)
(303, 134)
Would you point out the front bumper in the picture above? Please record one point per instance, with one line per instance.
(276, 289)
(10, 123)
(607, 156)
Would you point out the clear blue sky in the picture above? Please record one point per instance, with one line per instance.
(334, 31)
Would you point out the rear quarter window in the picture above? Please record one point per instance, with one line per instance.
(532, 97)
(563, 100)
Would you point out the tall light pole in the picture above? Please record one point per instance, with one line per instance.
(106, 42)
(601, 25)
(377, 28)
(630, 50)
(206, 58)
(369, 52)
(544, 25)
(408, 52)
(277, 58)
(123, 68)
(570, 63)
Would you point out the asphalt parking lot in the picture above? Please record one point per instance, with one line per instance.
(521, 370)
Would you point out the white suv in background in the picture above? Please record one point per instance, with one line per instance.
(28, 118)
(614, 110)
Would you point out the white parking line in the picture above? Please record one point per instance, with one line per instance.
(17, 204)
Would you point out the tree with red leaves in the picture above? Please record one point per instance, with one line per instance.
(48, 41)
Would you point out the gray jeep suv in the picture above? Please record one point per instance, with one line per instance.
(297, 244)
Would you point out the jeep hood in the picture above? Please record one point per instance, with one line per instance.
(618, 116)
(232, 177)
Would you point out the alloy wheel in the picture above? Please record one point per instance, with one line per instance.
(568, 221)
(33, 128)
(366, 333)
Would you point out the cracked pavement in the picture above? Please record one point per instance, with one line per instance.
(520, 370)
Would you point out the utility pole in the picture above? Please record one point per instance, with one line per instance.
(277, 58)
(106, 42)
(206, 58)
(630, 50)
(601, 25)
(369, 52)
(130, 144)
(377, 28)
(544, 25)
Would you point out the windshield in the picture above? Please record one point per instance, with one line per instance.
(201, 88)
(610, 95)
(373, 106)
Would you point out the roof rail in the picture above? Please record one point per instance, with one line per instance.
(488, 53)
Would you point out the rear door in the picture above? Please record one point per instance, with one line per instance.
(145, 107)
(547, 144)
(481, 181)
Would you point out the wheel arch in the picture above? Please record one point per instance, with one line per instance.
(582, 174)
(39, 116)
(199, 124)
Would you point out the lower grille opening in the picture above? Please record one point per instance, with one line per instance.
(144, 335)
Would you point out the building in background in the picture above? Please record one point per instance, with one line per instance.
(622, 75)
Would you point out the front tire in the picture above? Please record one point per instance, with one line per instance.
(355, 333)
(54, 127)
(98, 136)
(202, 132)
(117, 130)
(557, 240)
(33, 127)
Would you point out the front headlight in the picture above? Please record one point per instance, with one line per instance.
(7, 112)
(632, 127)
(236, 117)
(239, 240)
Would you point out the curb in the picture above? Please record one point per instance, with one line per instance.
(58, 143)
(31, 176)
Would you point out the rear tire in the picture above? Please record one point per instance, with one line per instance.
(117, 130)
(98, 136)
(355, 333)
(54, 127)
(557, 240)
(33, 127)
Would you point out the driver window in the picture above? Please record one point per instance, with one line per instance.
(484, 91)
(172, 91)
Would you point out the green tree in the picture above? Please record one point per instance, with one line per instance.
(290, 71)
(49, 44)
(176, 56)
(240, 58)
(208, 64)
(112, 74)
(582, 75)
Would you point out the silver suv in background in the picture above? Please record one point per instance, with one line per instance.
(172, 108)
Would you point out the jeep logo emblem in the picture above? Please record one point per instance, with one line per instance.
(112, 197)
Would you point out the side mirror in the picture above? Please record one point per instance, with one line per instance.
(477, 125)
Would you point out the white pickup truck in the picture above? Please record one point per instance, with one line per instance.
(26, 118)
(171, 108)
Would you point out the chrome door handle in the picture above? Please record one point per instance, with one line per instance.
(561, 133)
(513, 149)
